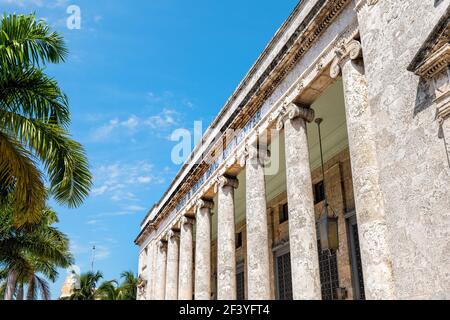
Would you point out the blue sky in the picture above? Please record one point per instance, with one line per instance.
(138, 70)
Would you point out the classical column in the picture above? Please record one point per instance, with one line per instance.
(257, 232)
(226, 256)
(302, 222)
(150, 275)
(203, 251)
(185, 280)
(372, 227)
(160, 283)
(172, 265)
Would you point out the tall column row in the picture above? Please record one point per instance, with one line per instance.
(174, 275)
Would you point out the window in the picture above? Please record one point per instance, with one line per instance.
(238, 240)
(284, 280)
(240, 283)
(319, 192)
(284, 213)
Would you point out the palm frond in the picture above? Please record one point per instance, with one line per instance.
(31, 93)
(23, 40)
(18, 171)
(64, 159)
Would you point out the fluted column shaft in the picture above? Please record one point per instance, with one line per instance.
(185, 281)
(172, 265)
(150, 273)
(302, 222)
(257, 231)
(226, 255)
(372, 226)
(203, 251)
(160, 283)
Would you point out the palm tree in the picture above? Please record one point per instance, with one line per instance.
(108, 290)
(88, 286)
(128, 287)
(34, 118)
(29, 256)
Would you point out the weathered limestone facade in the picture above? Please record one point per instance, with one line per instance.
(243, 217)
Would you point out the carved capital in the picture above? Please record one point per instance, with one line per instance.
(173, 235)
(202, 204)
(294, 111)
(162, 245)
(254, 153)
(227, 181)
(187, 221)
(344, 53)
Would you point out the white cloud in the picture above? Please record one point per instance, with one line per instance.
(167, 118)
(117, 180)
(106, 130)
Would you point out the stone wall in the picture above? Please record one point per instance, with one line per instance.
(413, 165)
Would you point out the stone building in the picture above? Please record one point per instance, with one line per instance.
(245, 216)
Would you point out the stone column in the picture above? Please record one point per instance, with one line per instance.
(302, 222)
(372, 227)
(257, 231)
(160, 283)
(185, 280)
(172, 265)
(226, 255)
(150, 275)
(203, 251)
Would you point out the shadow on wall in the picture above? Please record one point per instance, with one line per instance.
(424, 97)
(437, 2)
(446, 144)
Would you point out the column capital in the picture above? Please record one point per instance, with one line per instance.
(162, 245)
(203, 203)
(294, 111)
(254, 153)
(226, 181)
(187, 220)
(344, 53)
(172, 234)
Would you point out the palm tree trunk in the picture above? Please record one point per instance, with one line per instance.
(11, 285)
(20, 292)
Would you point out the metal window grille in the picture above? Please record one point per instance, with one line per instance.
(284, 277)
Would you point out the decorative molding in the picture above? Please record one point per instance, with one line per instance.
(294, 111)
(435, 63)
(362, 3)
(349, 51)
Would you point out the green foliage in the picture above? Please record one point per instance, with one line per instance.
(107, 290)
(30, 255)
(34, 117)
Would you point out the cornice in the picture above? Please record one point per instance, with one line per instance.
(432, 57)
(318, 19)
